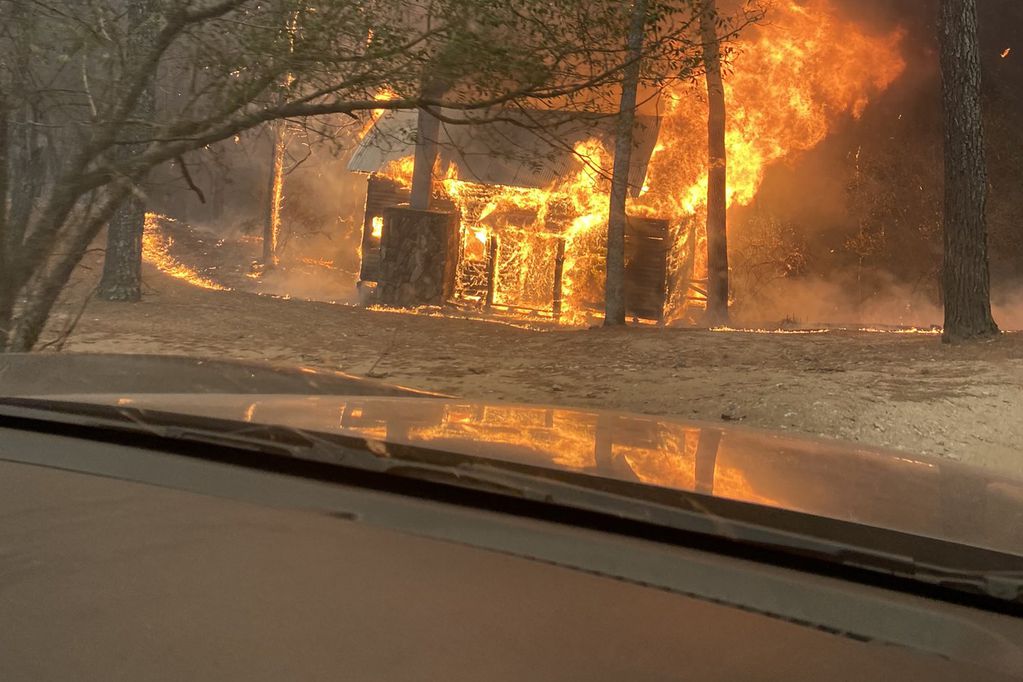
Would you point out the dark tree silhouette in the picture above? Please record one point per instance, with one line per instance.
(614, 288)
(965, 275)
(122, 265)
(717, 226)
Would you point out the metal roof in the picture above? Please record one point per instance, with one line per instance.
(523, 149)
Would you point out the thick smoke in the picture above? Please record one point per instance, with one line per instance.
(321, 220)
(850, 232)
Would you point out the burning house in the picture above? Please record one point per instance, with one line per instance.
(529, 193)
(520, 205)
(526, 233)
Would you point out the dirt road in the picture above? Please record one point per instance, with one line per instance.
(903, 391)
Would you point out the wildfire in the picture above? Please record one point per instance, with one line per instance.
(384, 95)
(791, 80)
(401, 171)
(156, 245)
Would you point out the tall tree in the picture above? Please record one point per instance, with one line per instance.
(274, 194)
(717, 166)
(278, 150)
(614, 287)
(122, 264)
(965, 275)
(427, 148)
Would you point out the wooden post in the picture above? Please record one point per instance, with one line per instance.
(559, 271)
(493, 245)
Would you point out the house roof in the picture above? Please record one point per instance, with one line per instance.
(523, 149)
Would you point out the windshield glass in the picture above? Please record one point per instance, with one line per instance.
(649, 225)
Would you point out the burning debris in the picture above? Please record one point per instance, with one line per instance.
(156, 249)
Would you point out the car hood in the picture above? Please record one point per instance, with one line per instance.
(918, 495)
(45, 374)
(923, 496)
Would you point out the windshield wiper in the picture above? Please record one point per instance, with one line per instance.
(532, 484)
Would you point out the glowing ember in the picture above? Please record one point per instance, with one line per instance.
(1006, 52)
(771, 331)
(928, 331)
(319, 262)
(156, 247)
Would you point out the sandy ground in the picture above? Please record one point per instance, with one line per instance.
(901, 391)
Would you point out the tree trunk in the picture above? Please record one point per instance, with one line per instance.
(47, 282)
(122, 265)
(3, 182)
(275, 196)
(427, 145)
(965, 276)
(717, 167)
(5, 287)
(275, 189)
(23, 159)
(614, 286)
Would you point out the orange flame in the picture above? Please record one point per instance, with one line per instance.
(791, 80)
(385, 94)
(156, 245)
(400, 171)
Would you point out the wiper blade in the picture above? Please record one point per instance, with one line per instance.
(1002, 584)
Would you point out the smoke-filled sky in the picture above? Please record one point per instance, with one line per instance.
(858, 219)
